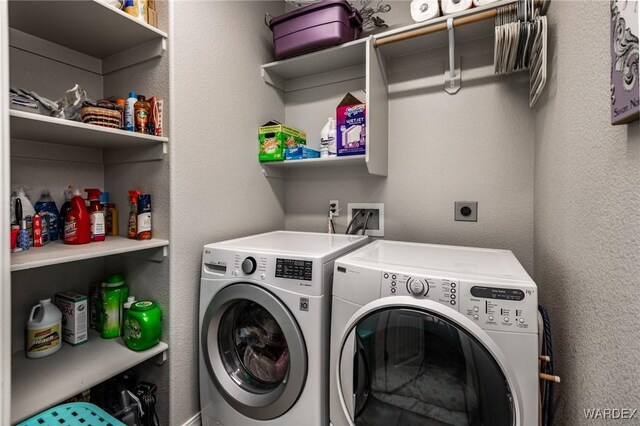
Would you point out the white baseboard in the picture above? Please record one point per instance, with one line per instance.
(194, 421)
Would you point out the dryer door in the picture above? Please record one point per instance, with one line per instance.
(254, 351)
(417, 362)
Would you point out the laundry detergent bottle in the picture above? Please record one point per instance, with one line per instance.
(97, 220)
(44, 328)
(77, 225)
(46, 207)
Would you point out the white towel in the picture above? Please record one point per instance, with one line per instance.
(453, 6)
(423, 10)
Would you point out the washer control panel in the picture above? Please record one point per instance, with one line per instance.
(440, 290)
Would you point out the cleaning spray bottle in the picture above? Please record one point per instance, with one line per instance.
(328, 143)
(46, 207)
(97, 214)
(133, 214)
(77, 225)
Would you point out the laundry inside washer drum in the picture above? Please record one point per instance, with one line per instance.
(260, 345)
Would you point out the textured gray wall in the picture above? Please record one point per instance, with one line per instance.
(217, 188)
(587, 228)
(475, 145)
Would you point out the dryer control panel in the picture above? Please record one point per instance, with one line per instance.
(499, 307)
(440, 290)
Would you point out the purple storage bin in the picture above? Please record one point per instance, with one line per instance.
(315, 27)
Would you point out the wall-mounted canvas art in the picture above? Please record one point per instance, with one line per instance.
(625, 87)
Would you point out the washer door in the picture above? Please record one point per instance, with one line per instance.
(415, 362)
(254, 351)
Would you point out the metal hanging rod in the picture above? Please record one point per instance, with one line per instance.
(442, 25)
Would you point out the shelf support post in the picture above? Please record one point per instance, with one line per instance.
(452, 77)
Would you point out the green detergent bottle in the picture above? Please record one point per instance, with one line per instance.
(142, 325)
(113, 295)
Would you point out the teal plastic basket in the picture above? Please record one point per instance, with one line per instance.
(73, 414)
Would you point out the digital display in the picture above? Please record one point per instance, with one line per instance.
(497, 293)
(294, 269)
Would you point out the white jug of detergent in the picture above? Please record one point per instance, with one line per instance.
(44, 330)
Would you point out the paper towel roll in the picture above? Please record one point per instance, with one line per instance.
(478, 3)
(453, 6)
(423, 10)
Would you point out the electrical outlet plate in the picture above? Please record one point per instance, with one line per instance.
(375, 227)
(466, 211)
(334, 206)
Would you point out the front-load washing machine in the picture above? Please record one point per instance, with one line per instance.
(264, 328)
(433, 335)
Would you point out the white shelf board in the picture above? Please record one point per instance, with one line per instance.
(276, 168)
(37, 384)
(41, 128)
(325, 63)
(431, 41)
(57, 252)
(91, 27)
(348, 160)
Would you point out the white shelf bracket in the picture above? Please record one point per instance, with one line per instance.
(452, 76)
(270, 172)
(160, 358)
(156, 255)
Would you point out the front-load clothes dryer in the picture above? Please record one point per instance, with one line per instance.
(264, 328)
(433, 335)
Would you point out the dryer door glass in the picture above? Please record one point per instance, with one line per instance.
(415, 368)
(254, 351)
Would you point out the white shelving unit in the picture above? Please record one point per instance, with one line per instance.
(90, 40)
(40, 383)
(327, 69)
(57, 252)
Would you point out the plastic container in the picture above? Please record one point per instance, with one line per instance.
(328, 143)
(315, 27)
(65, 209)
(44, 328)
(143, 231)
(112, 220)
(73, 414)
(142, 325)
(46, 207)
(77, 225)
(133, 214)
(142, 113)
(97, 220)
(129, 112)
(113, 295)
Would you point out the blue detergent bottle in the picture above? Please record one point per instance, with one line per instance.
(46, 206)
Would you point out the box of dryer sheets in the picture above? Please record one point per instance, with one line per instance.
(74, 316)
(275, 137)
(351, 126)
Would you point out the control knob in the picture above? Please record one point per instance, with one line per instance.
(249, 265)
(417, 287)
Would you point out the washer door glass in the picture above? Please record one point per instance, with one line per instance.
(254, 351)
(253, 347)
(411, 367)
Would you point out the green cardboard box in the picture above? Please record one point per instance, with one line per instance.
(275, 137)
